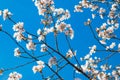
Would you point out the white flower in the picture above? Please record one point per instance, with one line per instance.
(93, 16)
(18, 27)
(61, 27)
(116, 25)
(47, 1)
(70, 54)
(87, 56)
(63, 14)
(39, 67)
(41, 5)
(114, 7)
(114, 73)
(39, 32)
(111, 14)
(78, 8)
(102, 76)
(29, 38)
(101, 16)
(52, 61)
(81, 59)
(103, 27)
(67, 14)
(93, 7)
(110, 29)
(102, 42)
(19, 36)
(112, 45)
(43, 48)
(105, 67)
(69, 31)
(17, 52)
(87, 22)
(101, 10)
(41, 37)
(59, 11)
(14, 76)
(93, 49)
(30, 45)
(46, 31)
(84, 67)
(51, 29)
(6, 14)
(40, 62)
(107, 47)
(35, 69)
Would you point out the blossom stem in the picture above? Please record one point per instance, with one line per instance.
(67, 61)
(72, 50)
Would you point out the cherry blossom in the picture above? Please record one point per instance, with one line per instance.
(39, 67)
(52, 61)
(70, 53)
(18, 27)
(6, 14)
(94, 65)
(14, 76)
(43, 48)
(17, 52)
(30, 45)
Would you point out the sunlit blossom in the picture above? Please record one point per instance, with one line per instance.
(18, 27)
(17, 52)
(14, 76)
(44, 48)
(30, 45)
(70, 54)
(6, 14)
(52, 61)
(19, 36)
(112, 45)
(39, 67)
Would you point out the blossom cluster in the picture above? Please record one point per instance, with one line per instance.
(96, 71)
(43, 4)
(54, 22)
(14, 76)
(30, 45)
(53, 19)
(106, 31)
(108, 11)
(39, 67)
(19, 30)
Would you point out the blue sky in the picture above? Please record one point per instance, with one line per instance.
(24, 10)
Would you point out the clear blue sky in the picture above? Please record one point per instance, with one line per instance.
(24, 10)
